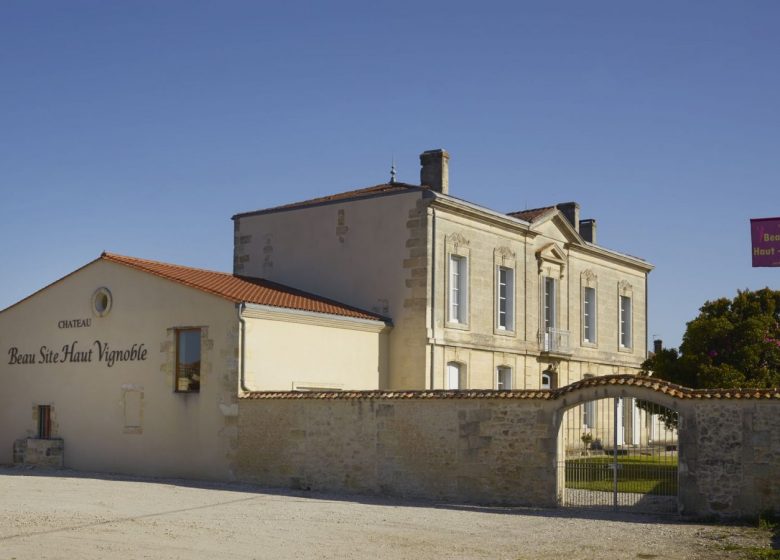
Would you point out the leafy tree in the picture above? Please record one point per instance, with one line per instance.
(732, 343)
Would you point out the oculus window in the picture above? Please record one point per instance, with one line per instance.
(101, 302)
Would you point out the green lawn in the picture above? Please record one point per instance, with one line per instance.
(640, 473)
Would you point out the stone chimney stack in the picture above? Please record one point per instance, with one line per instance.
(572, 212)
(434, 170)
(588, 230)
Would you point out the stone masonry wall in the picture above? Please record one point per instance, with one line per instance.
(457, 450)
(730, 458)
(490, 447)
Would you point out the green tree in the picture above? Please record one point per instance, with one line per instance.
(732, 343)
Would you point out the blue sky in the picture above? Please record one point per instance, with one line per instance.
(141, 127)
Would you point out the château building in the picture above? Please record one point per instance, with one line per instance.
(478, 298)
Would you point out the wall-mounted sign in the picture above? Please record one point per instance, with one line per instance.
(765, 234)
(76, 353)
(74, 323)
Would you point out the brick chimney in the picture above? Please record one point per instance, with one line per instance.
(434, 170)
(572, 212)
(588, 230)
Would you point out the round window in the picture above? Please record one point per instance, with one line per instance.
(101, 302)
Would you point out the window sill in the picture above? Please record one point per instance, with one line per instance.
(458, 326)
(504, 332)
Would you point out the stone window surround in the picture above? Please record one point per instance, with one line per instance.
(503, 257)
(625, 290)
(53, 424)
(457, 245)
(168, 349)
(551, 263)
(589, 279)
(462, 374)
(505, 367)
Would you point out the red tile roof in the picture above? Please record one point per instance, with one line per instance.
(532, 214)
(240, 289)
(385, 188)
(658, 385)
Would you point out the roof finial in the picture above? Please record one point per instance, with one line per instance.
(392, 171)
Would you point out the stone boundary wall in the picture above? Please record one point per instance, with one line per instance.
(500, 448)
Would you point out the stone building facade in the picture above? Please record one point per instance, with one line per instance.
(478, 298)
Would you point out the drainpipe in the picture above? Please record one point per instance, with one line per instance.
(433, 295)
(241, 346)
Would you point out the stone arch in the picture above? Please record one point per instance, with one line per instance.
(594, 389)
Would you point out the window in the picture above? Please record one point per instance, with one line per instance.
(504, 378)
(455, 376)
(589, 410)
(44, 421)
(548, 379)
(549, 304)
(625, 322)
(188, 360)
(505, 298)
(458, 289)
(589, 315)
(101, 302)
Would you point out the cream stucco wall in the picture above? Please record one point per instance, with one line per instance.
(125, 418)
(369, 253)
(303, 351)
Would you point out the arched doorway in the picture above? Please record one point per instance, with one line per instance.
(619, 452)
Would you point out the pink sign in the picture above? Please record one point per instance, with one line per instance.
(766, 241)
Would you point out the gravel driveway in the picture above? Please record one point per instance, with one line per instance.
(81, 515)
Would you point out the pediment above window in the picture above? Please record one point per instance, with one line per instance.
(551, 254)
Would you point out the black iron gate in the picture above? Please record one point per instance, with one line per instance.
(620, 453)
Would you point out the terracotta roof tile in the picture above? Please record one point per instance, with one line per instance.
(242, 288)
(531, 214)
(658, 385)
(385, 188)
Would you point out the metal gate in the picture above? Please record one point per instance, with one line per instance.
(620, 453)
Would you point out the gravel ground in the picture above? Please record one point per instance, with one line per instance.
(66, 514)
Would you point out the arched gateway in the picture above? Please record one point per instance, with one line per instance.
(618, 444)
